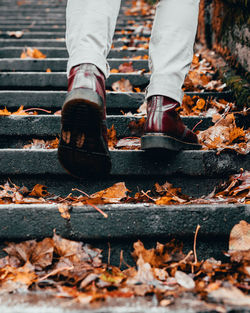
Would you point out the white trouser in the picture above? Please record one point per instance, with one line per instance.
(90, 29)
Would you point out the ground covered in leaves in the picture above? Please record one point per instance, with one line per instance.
(234, 190)
(73, 270)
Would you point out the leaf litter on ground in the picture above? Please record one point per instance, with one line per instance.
(234, 190)
(73, 270)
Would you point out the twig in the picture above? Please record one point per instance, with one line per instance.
(121, 257)
(197, 125)
(146, 194)
(183, 260)
(123, 261)
(76, 189)
(99, 210)
(38, 109)
(240, 175)
(63, 199)
(94, 206)
(56, 271)
(195, 253)
(109, 253)
(186, 257)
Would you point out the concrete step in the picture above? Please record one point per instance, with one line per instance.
(58, 64)
(58, 80)
(49, 125)
(52, 100)
(124, 223)
(60, 22)
(61, 52)
(32, 27)
(57, 42)
(56, 34)
(130, 163)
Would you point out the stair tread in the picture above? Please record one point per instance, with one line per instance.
(129, 162)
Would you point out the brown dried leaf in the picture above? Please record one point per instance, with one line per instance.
(161, 255)
(64, 211)
(112, 139)
(22, 251)
(240, 237)
(13, 279)
(39, 191)
(126, 67)
(122, 85)
(42, 254)
(230, 296)
(113, 194)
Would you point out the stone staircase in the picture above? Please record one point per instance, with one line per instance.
(26, 82)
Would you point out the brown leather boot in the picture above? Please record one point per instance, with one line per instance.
(83, 148)
(164, 128)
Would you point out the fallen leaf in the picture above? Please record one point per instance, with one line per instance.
(161, 255)
(231, 296)
(32, 53)
(126, 67)
(17, 34)
(39, 191)
(42, 254)
(112, 194)
(64, 211)
(112, 139)
(122, 85)
(17, 279)
(5, 112)
(240, 237)
(114, 71)
(184, 280)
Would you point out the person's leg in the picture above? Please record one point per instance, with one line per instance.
(171, 46)
(170, 56)
(90, 26)
(83, 147)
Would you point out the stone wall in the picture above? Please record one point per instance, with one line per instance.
(224, 26)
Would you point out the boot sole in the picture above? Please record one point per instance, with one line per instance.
(161, 141)
(82, 114)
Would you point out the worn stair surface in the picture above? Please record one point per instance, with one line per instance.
(28, 82)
